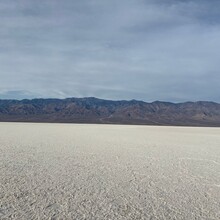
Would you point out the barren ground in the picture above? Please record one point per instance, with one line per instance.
(70, 171)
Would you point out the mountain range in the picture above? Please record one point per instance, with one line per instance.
(94, 110)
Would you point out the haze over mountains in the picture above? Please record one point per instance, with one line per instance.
(93, 110)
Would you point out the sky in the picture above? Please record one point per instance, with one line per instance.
(149, 50)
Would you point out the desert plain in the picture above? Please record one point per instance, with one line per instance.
(80, 171)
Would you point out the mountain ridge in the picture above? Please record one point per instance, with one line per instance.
(95, 110)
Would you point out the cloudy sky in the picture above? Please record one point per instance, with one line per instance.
(115, 49)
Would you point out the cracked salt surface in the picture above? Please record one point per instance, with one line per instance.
(72, 171)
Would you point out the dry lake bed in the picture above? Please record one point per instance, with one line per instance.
(73, 171)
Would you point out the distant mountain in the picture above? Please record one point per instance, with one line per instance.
(93, 110)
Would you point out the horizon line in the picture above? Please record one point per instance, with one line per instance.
(106, 99)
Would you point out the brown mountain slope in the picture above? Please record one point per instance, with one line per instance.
(93, 110)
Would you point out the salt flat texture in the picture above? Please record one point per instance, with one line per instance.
(70, 171)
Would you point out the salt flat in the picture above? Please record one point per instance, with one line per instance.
(72, 171)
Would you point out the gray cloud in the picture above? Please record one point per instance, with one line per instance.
(145, 49)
